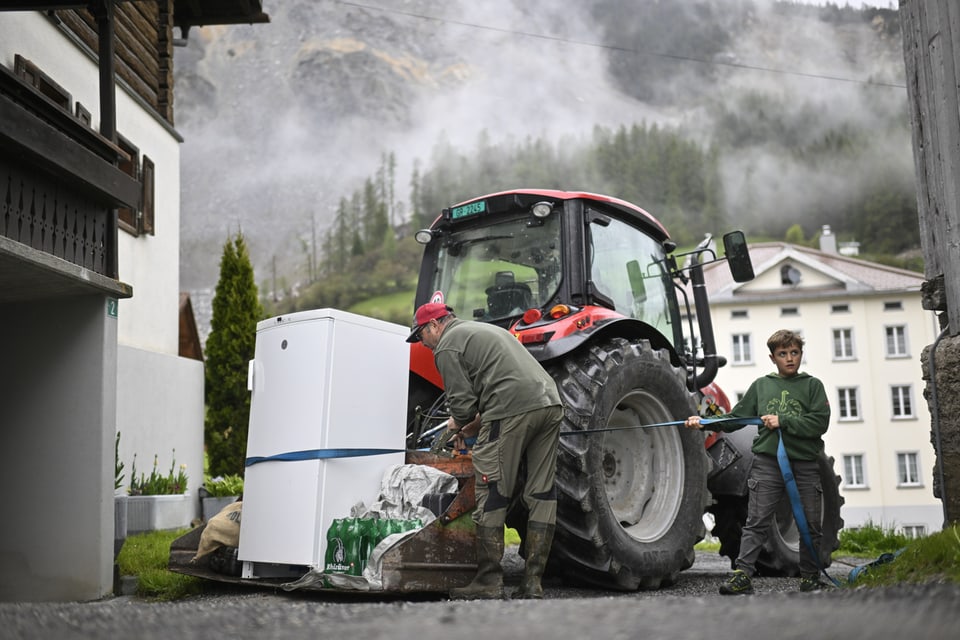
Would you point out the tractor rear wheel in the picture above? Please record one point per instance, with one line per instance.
(630, 501)
(781, 551)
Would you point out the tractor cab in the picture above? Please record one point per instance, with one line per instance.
(551, 264)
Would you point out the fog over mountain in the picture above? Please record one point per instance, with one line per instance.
(282, 120)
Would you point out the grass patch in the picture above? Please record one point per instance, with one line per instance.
(704, 545)
(869, 541)
(146, 556)
(931, 559)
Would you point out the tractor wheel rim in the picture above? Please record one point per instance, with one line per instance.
(643, 470)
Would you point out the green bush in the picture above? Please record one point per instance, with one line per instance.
(230, 347)
(224, 486)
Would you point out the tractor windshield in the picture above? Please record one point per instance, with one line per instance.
(500, 270)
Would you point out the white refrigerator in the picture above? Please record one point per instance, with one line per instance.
(320, 380)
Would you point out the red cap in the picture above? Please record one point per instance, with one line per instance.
(424, 314)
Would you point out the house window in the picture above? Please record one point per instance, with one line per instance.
(897, 341)
(853, 476)
(738, 313)
(901, 396)
(893, 306)
(138, 221)
(843, 344)
(914, 530)
(839, 308)
(848, 404)
(789, 311)
(741, 349)
(908, 470)
(130, 165)
(43, 83)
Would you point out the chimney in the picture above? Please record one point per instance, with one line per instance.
(828, 241)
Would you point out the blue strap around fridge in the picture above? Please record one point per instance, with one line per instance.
(798, 514)
(319, 454)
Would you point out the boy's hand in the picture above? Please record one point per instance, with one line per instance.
(771, 421)
(693, 422)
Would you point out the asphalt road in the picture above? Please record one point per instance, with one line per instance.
(690, 609)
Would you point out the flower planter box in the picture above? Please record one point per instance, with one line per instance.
(156, 513)
(213, 506)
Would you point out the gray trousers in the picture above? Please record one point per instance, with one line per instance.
(501, 446)
(767, 488)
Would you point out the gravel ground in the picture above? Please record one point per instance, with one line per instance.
(689, 609)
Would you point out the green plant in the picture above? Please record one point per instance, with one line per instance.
(233, 327)
(117, 464)
(157, 484)
(870, 540)
(224, 486)
(934, 558)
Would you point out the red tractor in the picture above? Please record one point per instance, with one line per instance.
(591, 286)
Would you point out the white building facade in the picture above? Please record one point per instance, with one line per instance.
(864, 329)
(89, 280)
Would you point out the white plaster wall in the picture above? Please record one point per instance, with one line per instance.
(56, 435)
(160, 412)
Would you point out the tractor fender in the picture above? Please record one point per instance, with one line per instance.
(628, 328)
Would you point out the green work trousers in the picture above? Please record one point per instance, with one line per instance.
(501, 446)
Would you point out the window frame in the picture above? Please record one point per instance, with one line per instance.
(839, 340)
(896, 398)
(903, 470)
(859, 459)
(855, 415)
(737, 342)
(904, 346)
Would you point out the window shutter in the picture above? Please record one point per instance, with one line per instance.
(130, 165)
(148, 196)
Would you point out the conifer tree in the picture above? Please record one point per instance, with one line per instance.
(230, 346)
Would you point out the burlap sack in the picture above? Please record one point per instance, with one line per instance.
(222, 530)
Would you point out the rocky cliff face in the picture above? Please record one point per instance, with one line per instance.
(282, 120)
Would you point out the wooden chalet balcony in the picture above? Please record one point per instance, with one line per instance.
(60, 188)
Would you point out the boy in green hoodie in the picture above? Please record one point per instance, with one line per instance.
(792, 406)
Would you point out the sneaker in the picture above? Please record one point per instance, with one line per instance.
(738, 584)
(811, 584)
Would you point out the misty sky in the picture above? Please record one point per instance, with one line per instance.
(318, 132)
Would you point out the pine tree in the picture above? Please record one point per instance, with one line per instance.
(230, 346)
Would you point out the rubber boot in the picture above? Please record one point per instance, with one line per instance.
(538, 542)
(488, 583)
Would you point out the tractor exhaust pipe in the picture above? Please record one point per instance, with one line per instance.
(707, 341)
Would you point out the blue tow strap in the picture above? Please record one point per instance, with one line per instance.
(798, 514)
(319, 454)
(673, 423)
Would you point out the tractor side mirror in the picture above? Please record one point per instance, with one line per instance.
(738, 256)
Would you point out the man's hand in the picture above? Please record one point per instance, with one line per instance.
(693, 422)
(771, 421)
(468, 430)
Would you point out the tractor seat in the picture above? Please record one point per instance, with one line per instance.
(504, 299)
